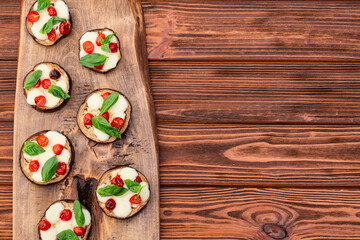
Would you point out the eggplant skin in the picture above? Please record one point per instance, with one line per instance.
(53, 181)
(134, 211)
(63, 101)
(82, 127)
(42, 42)
(69, 201)
(100, 70)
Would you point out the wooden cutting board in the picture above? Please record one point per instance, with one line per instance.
(138, 146)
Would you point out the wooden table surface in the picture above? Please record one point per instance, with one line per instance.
(258, 113)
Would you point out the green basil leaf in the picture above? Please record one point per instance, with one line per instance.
(79, 215)
(42, 4)
(111, 190)
(32, 79)
(58, 92)
(133, 186)
(105, 43)
(106, 47)
(67, 235)
(50, 23)
(32, 148)
(103, 125)
(93, 59)
(49, 169)
(109, 102)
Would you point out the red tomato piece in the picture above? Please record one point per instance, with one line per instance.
(61, 169)
(110, 204)
(88, 47)
(42, 140)
(52, 35)
(46, 83)
(54, 74)
(105, 95)
(79, 231)
(44, 225)
(105, 115)
(134, 201)
(113, 47)
(58, 148)
(65, 28)
(117, 181)
(38, 84)
(34, 166)
(117, 122)
(99, 67)
(52, 11)
(138, 179)
(65, 215)
(101, 35)
(40, 101)
(87, 119)
(33, 16)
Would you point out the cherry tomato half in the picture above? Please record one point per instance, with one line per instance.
(110, 204)
(58, 148)
(117, 181)
(117, 122)
(34, 165)
(101, 35)
(134, 201)
(38, 84)
(61, 169)
(52, 35)
(105, 95)
(113, 47)
(105, 115)
(88, 47)
(65, 28)
(52, 11)
(42, 140)
(46, 83)
(65, 215)
(99, 67)
(79, 231)
(33, 16)
(138, 179)
(40, 101)
(87, 119)
(44, 225)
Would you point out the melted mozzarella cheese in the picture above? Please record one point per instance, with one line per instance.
(123, 207)
(45, 70)
(64, 156)
(51, 100)
(112, 57)
(53, 213)
(32, 94)
(145, 192)
(55, 138)
(63, 225)
(49, 234)
(63, 85)
(119, 108)
(101, 135)
(95, 101)
(62, 10)
(128, 173)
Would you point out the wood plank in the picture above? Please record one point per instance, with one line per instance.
(326, 93)
(139, 146)
(237, 30)
(235, 213)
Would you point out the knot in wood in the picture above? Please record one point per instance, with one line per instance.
(274, 231)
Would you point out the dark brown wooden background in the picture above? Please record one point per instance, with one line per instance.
(258, 113)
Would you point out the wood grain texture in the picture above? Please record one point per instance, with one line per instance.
(139, 146)
(242, 213)
(236, 30)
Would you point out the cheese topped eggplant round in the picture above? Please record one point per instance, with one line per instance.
(46, 157)
(100, 50)
(47, 87)
(48, 21)
(104, 115)
(65, 219)
(122, 192)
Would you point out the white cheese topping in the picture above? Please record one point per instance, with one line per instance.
(145, 192)
(45, 70)
(128, 173)
(119, 108)
(123, 207)
(63, 84)
(32, 94)
(49, 234)
(95, 101)
(53, 213)
(62, 10)
(55, 138)
(112, 57)
(64, 156)
(101, 135)
(51, 100)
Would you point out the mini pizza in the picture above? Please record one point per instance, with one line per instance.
(48, 21)
(104, 115)
(46, 157)
(64, 220)
(100, 50)
(47, 87)
(122, 192)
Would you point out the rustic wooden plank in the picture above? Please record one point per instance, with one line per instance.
(233, 213)
(237, 30)
(139, 146)
(241, 93)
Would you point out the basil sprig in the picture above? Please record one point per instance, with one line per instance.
(67, 235)
(135, 187)
(32, 79)
(111, 190)
(42, 4)
(49, 169)
(50, 23)
(103, 125)
(109, 101)
(58, 92)
(105, 43)
(93, 59)
(79, 215)
(32, 148)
